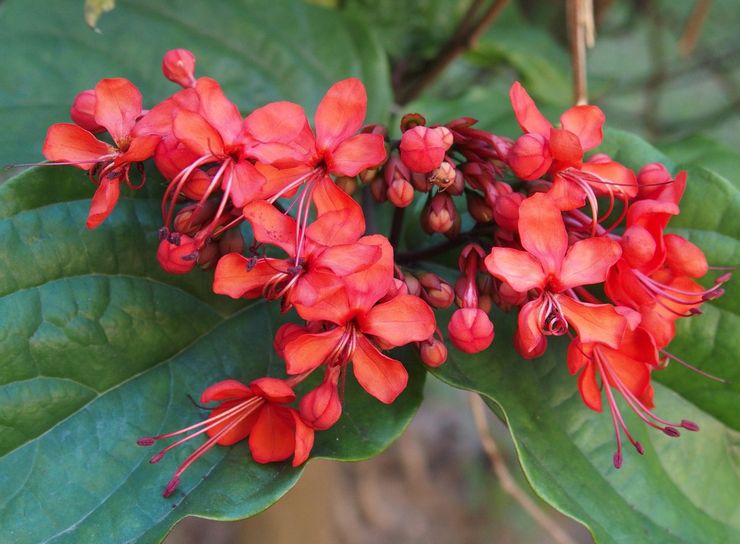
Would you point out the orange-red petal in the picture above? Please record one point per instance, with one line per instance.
(117, 106)
(586, 122)
(527, 115)
(401, 320)
(588, 261)
(340, 113)
(517, 268)
(384, 378)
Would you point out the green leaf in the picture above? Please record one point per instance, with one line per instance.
(682, 490)
(100, 347)
(257, 49)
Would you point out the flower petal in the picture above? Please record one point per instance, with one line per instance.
(270, 226)
(273, 389)
(384, 378)
(401, 320)
(310, 350)
(103, 201)
(588, 261)
(345, 259)
(529, 117)
(246, 183)
(220, 112)
(529, 331)
(586, 122)
(117, 106)
(140, 149)
(542, 232)
(237, 433)
(517, 268)
(66, 142)
(197, 134)
(356, 154)
(340, 113)
(304, 436)
(236, 278)
(272, 437)
(226, 390)
(594, 322)
(589, 389)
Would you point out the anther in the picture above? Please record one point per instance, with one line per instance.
(174, 482)
(689, 425)
(156, 458)
(147, 441)
(618, 460)
(639, 448)
(251, 263)
(671, 431)
(164, 233)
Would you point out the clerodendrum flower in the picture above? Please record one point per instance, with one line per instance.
(117, 109)
(552, 268)
(256, 411)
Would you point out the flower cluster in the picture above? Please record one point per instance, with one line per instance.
(614, 282)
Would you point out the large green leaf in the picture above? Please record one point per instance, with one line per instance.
(99, 347)
(259, 50)
(684, 489)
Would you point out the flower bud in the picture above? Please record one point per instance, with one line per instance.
(231, 241)
(420, 182)
(412, 284)
(507, 298)
(412, 120)
(684, 258)
(400, 193)
(506, 211)
(638, 246)
(368, 175)
(379, 189)
(478, 207)
(321, 408)
(82, 111)
(652, 179)
(178, 65)
(530, 156)
(435, 291)
(443, 176)
(284, 334)
(208, 255)
(423, 149)
(432, 352)
(196, 185)
(177, 253)
(348, 184)
(439, 214)
(470, 330)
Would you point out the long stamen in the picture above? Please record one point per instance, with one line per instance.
(692, 367)
(176, 185)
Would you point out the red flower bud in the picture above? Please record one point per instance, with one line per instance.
(400, 193)
(506, 211)
(178, 66)
(177, 253)
(638, 246)
(437, 292)
(82, 111)
(470, 330)
(348, 184)
(440, 214)
(321, 408)
(479, 208)
(433, 352)
(530, 156)
(423, 149)
(651, 180)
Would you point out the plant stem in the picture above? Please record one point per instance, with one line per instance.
(433, 251)
(692, 30)
(464, 38)
(507, 481)
(396, 227)
(580, 19)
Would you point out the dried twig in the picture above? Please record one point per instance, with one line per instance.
(692, 29)
(507, 481)
(582, 34)
(464, 38)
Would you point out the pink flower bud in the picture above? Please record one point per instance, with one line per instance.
(506, 211)
(440, 214)
(443, 176)
(479, 208)
(178, 66)
(379, 189)
(530, 156)
(437, 292)
(652, 179)
(400, 193)
(433, 352)
(638, 246)
(82, 111)
(470, 330)
(423, 149)
(684, 258)
(348, 184)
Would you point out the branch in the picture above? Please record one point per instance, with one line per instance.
(507, 481)
(464, 38)
(433, 251)
(581, 34)
(692, 30)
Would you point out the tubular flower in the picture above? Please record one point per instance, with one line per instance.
(256, 411)
(552, 269)
(545, 149)
(117, 107)
(625, 370)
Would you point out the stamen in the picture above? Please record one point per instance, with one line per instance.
(692, 367)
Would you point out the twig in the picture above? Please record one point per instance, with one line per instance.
(692, 30)
(507, 481)
(581, 33)
(433, 251)
(464, 38)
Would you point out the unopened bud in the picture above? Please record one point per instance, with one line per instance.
(437, 292)
(420, 182)
(411, 120)
(178, 65)
(82, 111)
(478, 207)
(439, 215)
(423, 149)
(652, 179)
(177, 255)
(433, 352)
(368, 175)
(208, 255)
(232, 241)
(443, 176)
(400, 193)
(470, 330)
(412, 284)
(379, 189)
(348, 184)
(506, 211)
(530, 156)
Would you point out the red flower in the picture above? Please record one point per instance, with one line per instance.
(117, 109)
(423, 148)
(278, 133)
(559, 151)
(276, 432)
(553, 269)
